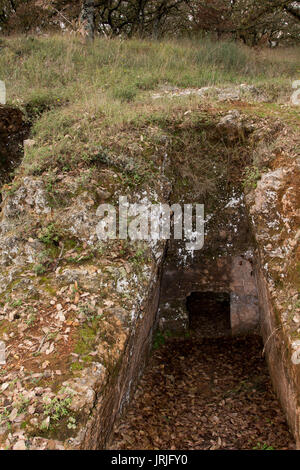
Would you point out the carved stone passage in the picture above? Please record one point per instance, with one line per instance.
(224, 265)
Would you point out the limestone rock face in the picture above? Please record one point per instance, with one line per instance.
(77, 314)
(274, 209)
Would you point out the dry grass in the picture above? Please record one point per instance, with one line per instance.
(62, 67)
(82, 96)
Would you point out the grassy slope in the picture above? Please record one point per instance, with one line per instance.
(92, 92)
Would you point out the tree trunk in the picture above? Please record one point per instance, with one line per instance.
(156, 28)
(87, 19)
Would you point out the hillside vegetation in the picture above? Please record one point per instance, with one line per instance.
(161, 121)
(76, 94)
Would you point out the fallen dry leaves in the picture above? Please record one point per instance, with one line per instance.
(205, 393)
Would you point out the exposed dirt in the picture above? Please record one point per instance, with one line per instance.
(205, 393)
(13, 130)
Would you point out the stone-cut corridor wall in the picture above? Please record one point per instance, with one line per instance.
(225, 264)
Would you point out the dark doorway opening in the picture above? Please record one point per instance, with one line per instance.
(209, 313)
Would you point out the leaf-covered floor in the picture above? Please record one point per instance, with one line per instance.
(205, 393)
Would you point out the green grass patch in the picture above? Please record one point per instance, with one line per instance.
(83, 95)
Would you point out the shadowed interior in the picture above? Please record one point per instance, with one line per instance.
(209, 313)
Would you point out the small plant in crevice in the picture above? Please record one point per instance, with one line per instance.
(71, 423)
(22, 404)
(16, 303)
(160, 338)
(252, 175)
(55, 197)
(260, 446)
(139, 257)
